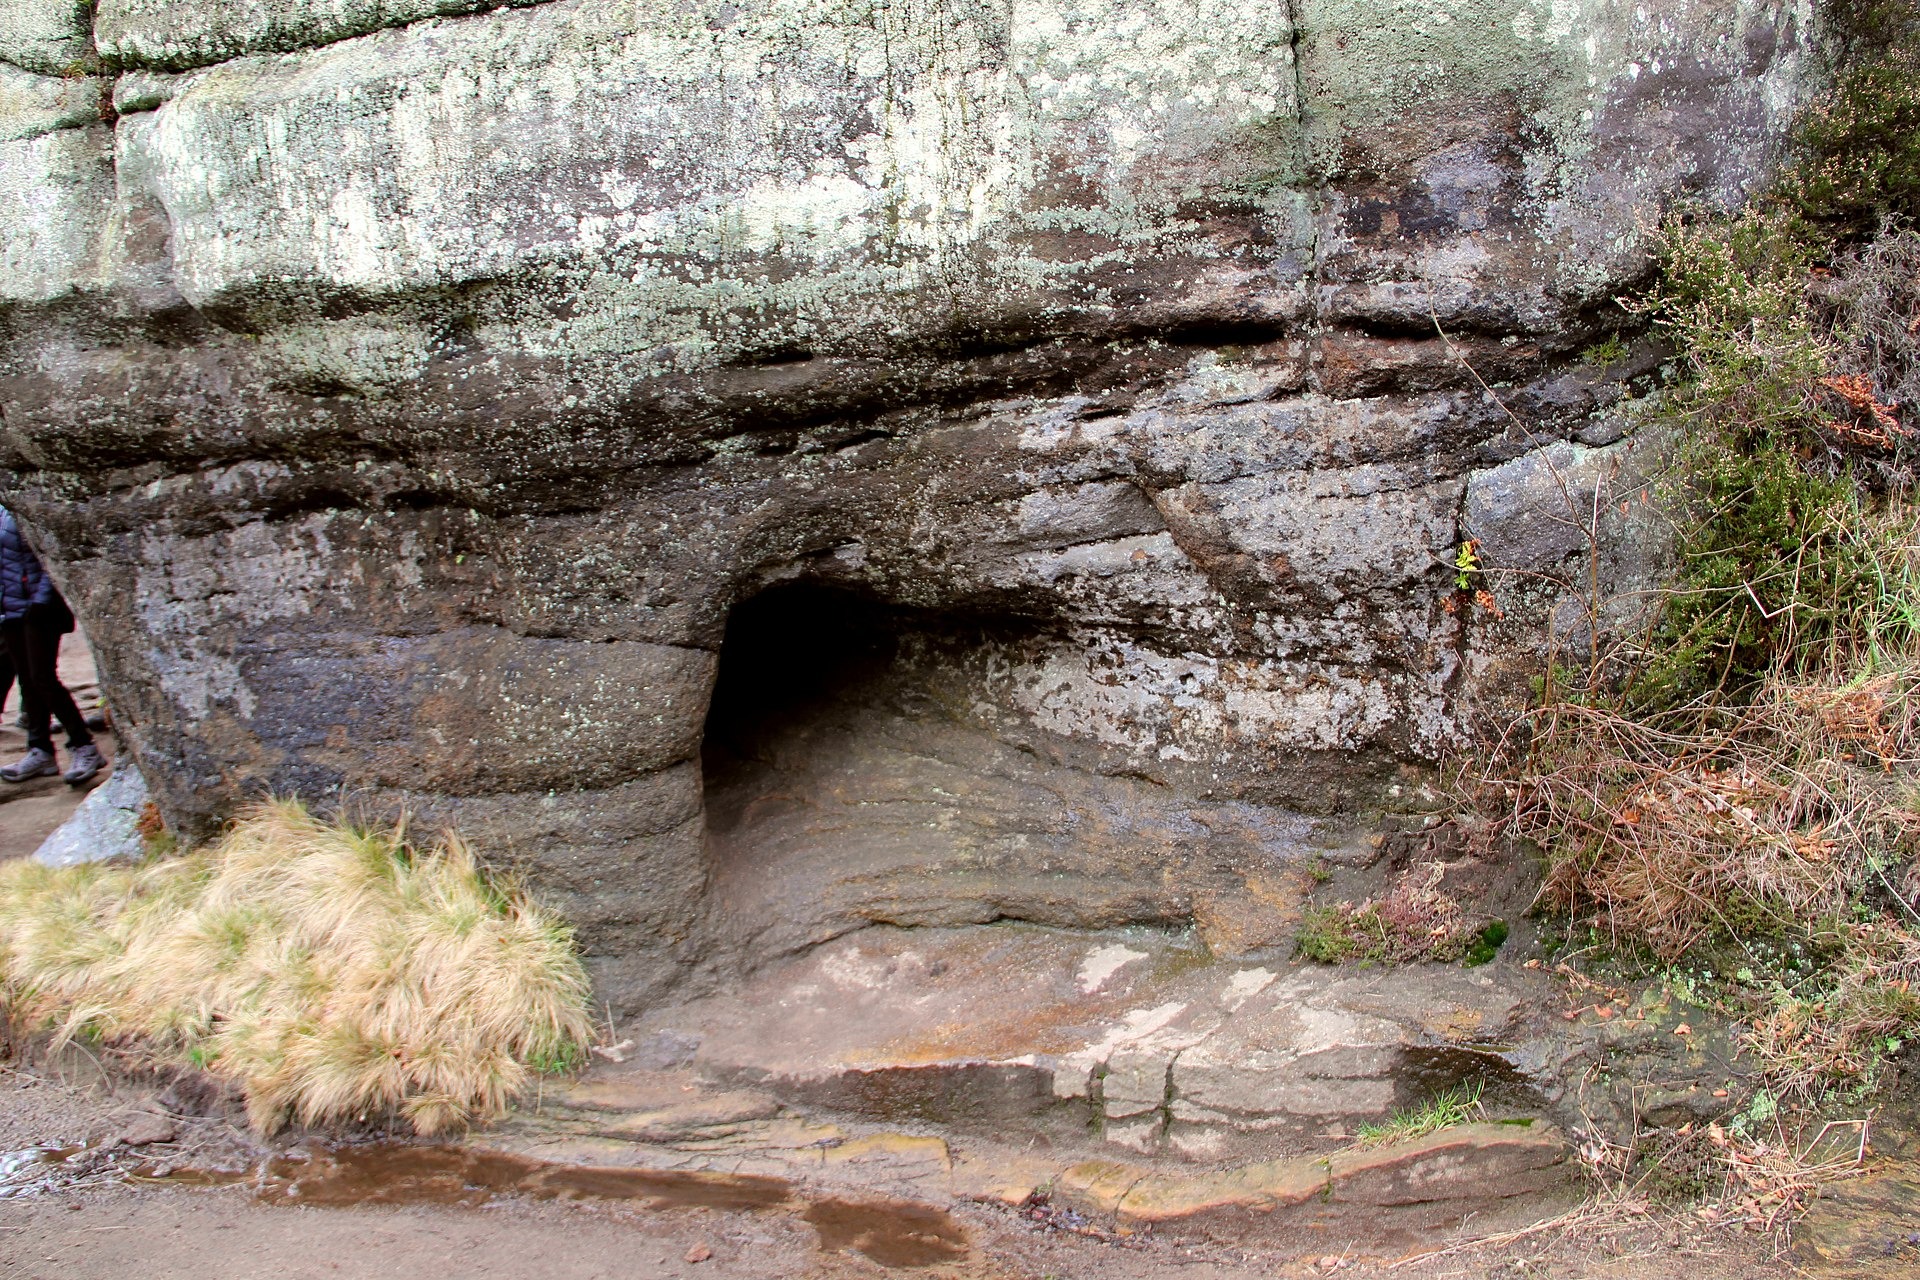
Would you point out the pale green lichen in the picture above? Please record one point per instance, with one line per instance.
(678, 185)
(31, 105)
(50, 37)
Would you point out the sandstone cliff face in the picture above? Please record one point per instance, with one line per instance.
(1050, 423)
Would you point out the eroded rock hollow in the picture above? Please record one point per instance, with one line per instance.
(773, 467)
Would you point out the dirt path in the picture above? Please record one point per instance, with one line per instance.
(29, 811)
(103, 1226)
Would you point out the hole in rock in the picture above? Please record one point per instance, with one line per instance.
(858, 770)
(871, 764)
(790, 655)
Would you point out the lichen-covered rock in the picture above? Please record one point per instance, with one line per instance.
(51, 37)
(56, 198)
(774, 467)
(31, 105)
(169, 35)
(104, 828)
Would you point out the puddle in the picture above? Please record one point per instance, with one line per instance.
(33, 1171)
(403, 1173)
(893, 1233)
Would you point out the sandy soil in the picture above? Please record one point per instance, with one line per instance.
(102, 1225)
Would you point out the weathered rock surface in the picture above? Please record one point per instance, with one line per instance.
(161, 34)
(105, 828)
(48, 36)
(1396, 1190)
(31, 105)
(1865, 1227)
(1118, 1082)
(422, 408)
(1139, 1044)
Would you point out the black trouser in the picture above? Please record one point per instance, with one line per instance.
(34, 650)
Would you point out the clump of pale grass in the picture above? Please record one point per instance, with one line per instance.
(334, 973)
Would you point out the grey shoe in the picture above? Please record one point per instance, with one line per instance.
(83, 763)
(35, 764)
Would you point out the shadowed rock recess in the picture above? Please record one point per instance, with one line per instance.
(771, 468)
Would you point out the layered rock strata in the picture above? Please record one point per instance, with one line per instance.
(1054, 425)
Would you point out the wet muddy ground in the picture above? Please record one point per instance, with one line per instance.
(77, 1202)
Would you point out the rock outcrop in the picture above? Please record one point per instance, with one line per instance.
(1042, 433)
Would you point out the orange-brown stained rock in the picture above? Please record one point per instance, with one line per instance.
(1218, 1199)
(1485, 1163)
(1096, 1187)
(1866, 1227)
(1470, 1162)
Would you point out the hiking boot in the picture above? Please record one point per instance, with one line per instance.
(82, 763)
(35, 764)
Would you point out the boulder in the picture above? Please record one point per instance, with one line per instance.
(105, 826)
(768, 469)
(52, 37)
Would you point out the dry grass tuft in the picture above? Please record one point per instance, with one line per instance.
(334, 973)
(1773, 816)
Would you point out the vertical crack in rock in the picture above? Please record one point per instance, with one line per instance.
(1097, 1099)
(1163, 1134)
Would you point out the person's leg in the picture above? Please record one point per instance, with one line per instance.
(39, 761)
(43, 672)
(14, 636)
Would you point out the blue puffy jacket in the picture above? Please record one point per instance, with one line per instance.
(24, 583)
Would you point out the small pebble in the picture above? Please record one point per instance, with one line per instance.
(699, 1253)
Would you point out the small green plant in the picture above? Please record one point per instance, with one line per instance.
(558, 1059)
(1466, 565)
(1323, 937)
(1610, 352)
(1412, 921)
(1486, 945)
(1454, 1106)
(1859, 161)
(1318, 871)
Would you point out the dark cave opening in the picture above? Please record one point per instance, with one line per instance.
(855, 773)
(866, 763)
(791, 654)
